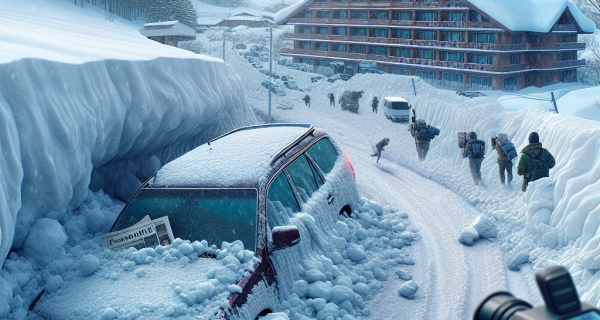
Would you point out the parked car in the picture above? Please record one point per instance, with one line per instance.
(264, 57)
(284, 61)
(289, 82)
(396, 109)
(333, 78)
(258, 48)
(257, 65)
(266, 72)
(367, 66)
(245, 185)
(240, 46)
(470, 94)
(316, 79)
(345, 77)
(276, 87)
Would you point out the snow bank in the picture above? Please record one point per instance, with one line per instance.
(285, 13)
(80, 108)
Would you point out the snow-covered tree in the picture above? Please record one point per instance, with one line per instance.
(226, 3)
(169, 10)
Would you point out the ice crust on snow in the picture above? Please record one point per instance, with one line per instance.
(532, 15)
(82, 108)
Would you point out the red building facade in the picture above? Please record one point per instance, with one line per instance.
(452, 42)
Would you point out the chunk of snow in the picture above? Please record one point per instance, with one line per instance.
(44, 241)
(185, 248)
(53, 283)
(88, 264)
(403, 274)
(468, 235)
(225, 275)
(409, 289)
(518, 259)
(319, 290)
(356, 253)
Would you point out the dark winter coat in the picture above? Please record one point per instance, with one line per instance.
(414, 127)
(306, 98)
(375, 103)
(467, 150)
(384, 142)
(536, 150)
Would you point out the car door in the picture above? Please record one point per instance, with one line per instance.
(323, 156)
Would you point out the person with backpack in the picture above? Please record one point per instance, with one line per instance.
(306, 100)
(423, 133)
(506, 153)
(331, 99)
(384, 142)
(535, 162)
(375, 104)
(475, 150)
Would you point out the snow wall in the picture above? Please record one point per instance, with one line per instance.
(105, 124)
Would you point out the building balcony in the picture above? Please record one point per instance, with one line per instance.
(401, 23)
(569, 63)
(415, 62)
(384, 3)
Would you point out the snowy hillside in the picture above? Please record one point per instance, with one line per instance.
(85, 100)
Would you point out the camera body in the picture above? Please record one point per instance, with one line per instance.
(559, 293)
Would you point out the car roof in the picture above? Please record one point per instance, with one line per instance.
(236, 159)
(395, 99)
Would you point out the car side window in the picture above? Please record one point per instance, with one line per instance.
(324, 154)
(301, 172)
(281, 201)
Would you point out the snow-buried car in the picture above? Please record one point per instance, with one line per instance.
(244, 189)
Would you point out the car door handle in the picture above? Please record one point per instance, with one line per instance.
(330, 199)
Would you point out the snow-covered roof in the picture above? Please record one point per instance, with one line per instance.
(236, 159)
(168, 28)
(531, 15)
(283, 15)
(209, 21)
(395, 99)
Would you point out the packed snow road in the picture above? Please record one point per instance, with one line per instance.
(452, 278)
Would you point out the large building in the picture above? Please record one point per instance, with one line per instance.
(481, 44)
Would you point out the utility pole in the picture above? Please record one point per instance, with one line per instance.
(554, 102)
(270, 65)
(414, 89)
(224, 45)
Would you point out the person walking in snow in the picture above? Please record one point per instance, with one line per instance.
(504, 163)
(384, 142)
(423, 134)
(331, 99)
(306, 100)
(535, 162)
(475, 150)
(375, 104)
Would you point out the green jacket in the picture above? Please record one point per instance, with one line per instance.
(535, 149)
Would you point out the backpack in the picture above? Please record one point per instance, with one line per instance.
(477, 149)
(428, 133)
(510, 151)
(538, 168)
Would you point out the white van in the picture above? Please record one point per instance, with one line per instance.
(396, 109)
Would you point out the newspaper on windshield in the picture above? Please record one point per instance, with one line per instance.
(146, 233)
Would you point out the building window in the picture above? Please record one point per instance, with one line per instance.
(401, 34)
(358, 32)
(430, 75)
(481, 37)
(340, 14)
(361, 15)
(380, 51)
(321, 46)
(400, 52)
(322, 63)
(566, 37)
(402, 15)
(424, 54)
(427, 0)
(379, 15)
(358, 49)
(338, 47)
(339, 31)
(304, 60)
(378, 33)
(481, 58)
(481, 81)
(322, 30)
(510, 84)
(516, 38)
(304, 15)
(454, 16)
(475, 16)
(452, 56)
(303, 29)
(322, 14)
(427, 16)
(453, 77)
(304, 45)
(400, 71)
(455, 36)
(515, 58)
(426, 35)
(567, 55)
(402, 0)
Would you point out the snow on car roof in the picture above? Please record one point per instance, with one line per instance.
(395, 99)
(532, 15)
(236, 159)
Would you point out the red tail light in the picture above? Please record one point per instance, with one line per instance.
(350, 163)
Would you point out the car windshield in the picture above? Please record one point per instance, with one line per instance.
(214, 215)
(400, 106)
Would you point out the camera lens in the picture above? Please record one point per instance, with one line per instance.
(499, 306)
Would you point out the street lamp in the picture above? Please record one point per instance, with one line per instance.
(270, 63)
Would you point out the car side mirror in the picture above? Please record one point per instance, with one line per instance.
(285, 237)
